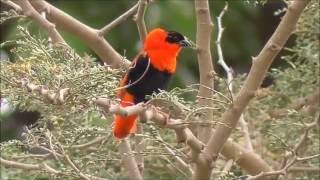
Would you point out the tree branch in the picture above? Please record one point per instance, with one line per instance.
(203, 37)
(38, 167)
(53, 97)
(139, 19)
(29, 11)
(247, 160)
(313, 98)
(252, 83)
(139, 148)
(12, 4)
(89, 144)
(128, 161)
(229, 71)
(87, 34)
(284, 170)
(118, 20)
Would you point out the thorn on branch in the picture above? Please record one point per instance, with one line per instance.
(274, 46)
(254, 58)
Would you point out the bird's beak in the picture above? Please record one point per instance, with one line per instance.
(185, 43)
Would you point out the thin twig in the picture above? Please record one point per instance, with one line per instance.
(87, 34)
(181, 162)
(88, 144)
(292, 157)
(40, 167)
(284, 170)
(28, 10)
(203, 37)
(57, 97)
(259, 68)
(128, 161)
(12, 4)
(231, 150)
(229, 71)
(139, 18)
(118, 20)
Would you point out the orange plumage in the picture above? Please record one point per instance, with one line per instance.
(150, 71)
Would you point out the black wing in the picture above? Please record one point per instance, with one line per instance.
(143, 79)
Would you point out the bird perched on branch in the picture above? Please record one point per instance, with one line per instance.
(150, 71)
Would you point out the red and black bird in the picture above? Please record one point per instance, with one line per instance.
(149, 72)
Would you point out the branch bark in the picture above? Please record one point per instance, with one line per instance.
(203, 37)
(38, 167)
(229, 71)
(29, 11)
(57, 97)
(118, 20)
(12, 4)
(142, 29)
(87, 34)
(128, 160)
(252, 83)
(139, 18)
(247, 160)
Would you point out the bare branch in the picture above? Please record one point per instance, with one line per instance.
(229, 71)
(29, 11)
(284, 170)
(128, 161)
(39, 167)
(139, 18)
(12, 4)
(203, 37)
(293, 154)
(53, 97)
(300, 169)
(252, 83)
(150, 113)
(87, 34)
(221, 61)
(305, 134)
(248, 160)
(245, 130)
(180, 161)
(90, 143)
(139, 148)
(118, 20)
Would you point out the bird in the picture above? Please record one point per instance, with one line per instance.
(149, 72)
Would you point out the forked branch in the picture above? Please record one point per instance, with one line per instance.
(87, 34)
(261, 63)
(29, 11)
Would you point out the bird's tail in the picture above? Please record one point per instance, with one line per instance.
(123, 126)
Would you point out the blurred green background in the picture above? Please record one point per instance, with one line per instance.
(247, 28)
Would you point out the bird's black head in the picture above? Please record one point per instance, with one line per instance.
(175, 37)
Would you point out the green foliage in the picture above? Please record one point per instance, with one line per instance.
(299, 80)
(77, 121)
